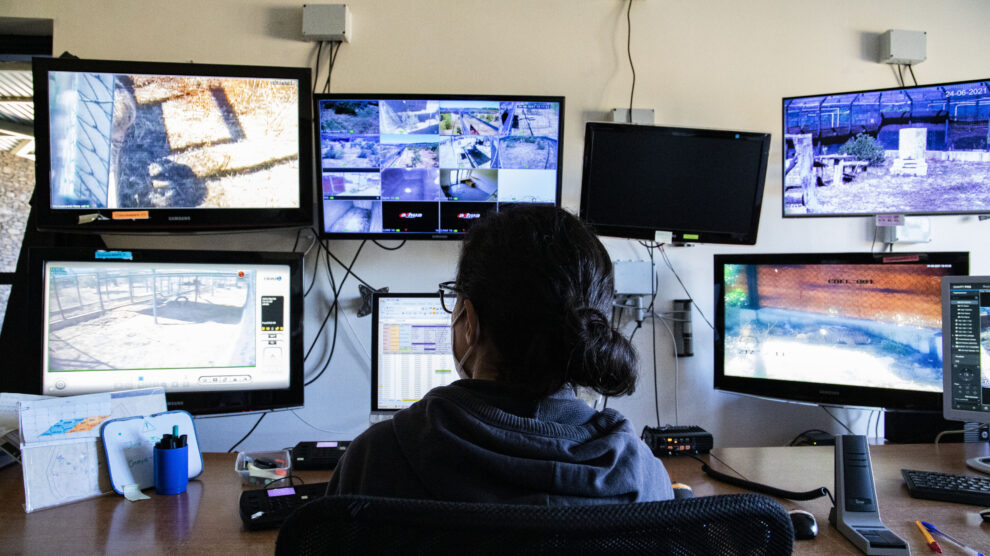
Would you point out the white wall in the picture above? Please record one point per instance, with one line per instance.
(720, 63)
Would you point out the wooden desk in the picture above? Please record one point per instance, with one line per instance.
(806, 468)
(205, 520)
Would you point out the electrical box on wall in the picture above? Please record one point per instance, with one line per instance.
(903, 47)
(633, 277)
(642, 116)
(916, 229)
(326, 22)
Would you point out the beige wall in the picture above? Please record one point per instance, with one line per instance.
(723, 63)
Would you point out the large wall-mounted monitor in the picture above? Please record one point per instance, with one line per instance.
(966, 341)
(697, 185)
(909, 150)
(145, 146)
(852, 329)
(428, 166)
(220, 331)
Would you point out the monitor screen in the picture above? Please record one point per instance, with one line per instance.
(219, 331)
(428, 166)
(908, 150)
(966, 339)
(412, 352)
(833, 328)
(143, 146)
(699, 185)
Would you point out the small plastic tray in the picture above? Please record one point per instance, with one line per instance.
(262, 468)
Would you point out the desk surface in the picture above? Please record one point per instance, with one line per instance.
(205, 518)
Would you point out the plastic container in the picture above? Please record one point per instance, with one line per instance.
(262, 468)
(171, 470)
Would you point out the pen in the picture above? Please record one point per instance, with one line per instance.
(964, 548)
(928, 538)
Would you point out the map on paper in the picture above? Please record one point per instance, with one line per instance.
(61, 454)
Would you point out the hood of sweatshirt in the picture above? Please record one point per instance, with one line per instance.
(484, 441)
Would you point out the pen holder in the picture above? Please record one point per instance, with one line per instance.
(171, 470)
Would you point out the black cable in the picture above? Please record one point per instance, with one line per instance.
(632, 89)
(296, 242)
(765, 489)
(349, 273)
(316, 272)
(333, 59)
(396, 248)
(653, 326)
(913, 78)
(679, 281)
(316, 74)
(836, 419)
(335, 307)
(900, 74)
(248, 433)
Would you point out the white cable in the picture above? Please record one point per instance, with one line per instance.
(673, 343)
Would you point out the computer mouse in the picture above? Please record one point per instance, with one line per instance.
(682, 491)
(805, 526)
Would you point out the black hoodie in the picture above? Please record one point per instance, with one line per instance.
(483, 441)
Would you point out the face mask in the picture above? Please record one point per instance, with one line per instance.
(459, 363)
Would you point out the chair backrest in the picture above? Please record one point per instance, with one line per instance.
(750, 524)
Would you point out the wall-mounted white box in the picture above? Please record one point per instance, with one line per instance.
(326, 22)
(903, 47)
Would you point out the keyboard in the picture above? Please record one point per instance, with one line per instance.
(267, 508)
(961, 489)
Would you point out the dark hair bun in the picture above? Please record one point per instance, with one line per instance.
(602, 359)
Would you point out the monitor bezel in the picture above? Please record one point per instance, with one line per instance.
(170, 219)
(949, 412)
(818, 392)
(318, 169)
(783, 144)
(197, 403)
(375, 301)
(679, 235)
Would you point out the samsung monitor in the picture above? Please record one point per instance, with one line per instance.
(412, 353)
(220, 331)
(145, 146)
(907, 150)
(851, 329)
(429, 166)
(673, 184)
(966, 345)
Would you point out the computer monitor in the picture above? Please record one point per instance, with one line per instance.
(428, 166)
(412, 353)
(144, 146)
(966, 341)
(905, 150)
(220, 331)
(696, 185)
(853, 329)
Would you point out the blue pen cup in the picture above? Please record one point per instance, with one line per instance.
(171, 470)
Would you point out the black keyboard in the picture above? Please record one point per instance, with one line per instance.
(961, 489)
(267, 508)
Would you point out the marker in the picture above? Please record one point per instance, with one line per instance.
(928, 538)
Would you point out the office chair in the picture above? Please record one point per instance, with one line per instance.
(750, 524)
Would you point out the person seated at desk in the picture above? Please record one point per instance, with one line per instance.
(528, 326)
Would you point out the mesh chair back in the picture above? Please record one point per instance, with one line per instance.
(749, 524)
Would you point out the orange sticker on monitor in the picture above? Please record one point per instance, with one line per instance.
(129, 215)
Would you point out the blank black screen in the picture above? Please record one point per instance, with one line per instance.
(673, 179)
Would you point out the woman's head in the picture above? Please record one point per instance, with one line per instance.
(540, 284)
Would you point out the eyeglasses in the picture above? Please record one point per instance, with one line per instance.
(448, 293)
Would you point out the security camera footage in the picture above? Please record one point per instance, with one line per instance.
(118, 325)
(394, 165)
(920, 150)
(869, 325)
(137, 141)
